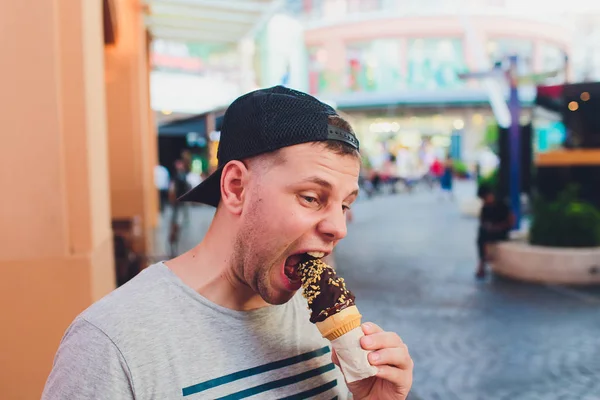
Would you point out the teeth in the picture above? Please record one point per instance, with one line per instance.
(316, 254)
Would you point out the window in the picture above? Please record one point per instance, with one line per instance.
(435, 63)
(374, 66)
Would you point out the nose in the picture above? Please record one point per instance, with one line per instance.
(333, 226)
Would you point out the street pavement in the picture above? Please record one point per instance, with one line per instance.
(410, 260)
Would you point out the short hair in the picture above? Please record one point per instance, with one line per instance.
(338, 147)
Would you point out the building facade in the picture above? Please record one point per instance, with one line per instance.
(394, 66)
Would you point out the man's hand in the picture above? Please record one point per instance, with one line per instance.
(390, 355)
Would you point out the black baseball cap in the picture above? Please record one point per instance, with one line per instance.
(263, 121)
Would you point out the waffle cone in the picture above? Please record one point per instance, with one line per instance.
(338, 324)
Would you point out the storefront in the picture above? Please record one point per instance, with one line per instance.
(422, 137)
(191, 139)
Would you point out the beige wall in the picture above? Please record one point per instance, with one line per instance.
(78, 148)
(55, 236)
(132, 137)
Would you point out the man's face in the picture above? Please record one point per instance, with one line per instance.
(291, 208)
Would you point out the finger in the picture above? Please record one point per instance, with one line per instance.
(334, 358)
(401, 379)
(370, 328)
(397, 357)
(380, 340)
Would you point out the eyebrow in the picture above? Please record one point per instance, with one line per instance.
(323, 183)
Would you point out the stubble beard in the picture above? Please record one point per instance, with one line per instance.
(251, 268)
(254, 264)
(255, 268)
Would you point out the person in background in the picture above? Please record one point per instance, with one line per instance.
(436, 170)
(161, 181)
(447, 178)
(178, 187)
(193, 179)
(495, 222)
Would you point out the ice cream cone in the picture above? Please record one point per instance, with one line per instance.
(338, 324)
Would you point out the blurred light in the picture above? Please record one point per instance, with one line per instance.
(197, 166)
(214, 147)
(214, 136)
(573, 106)
(384, 127)
(440, 141)
(411, 140)
(477, 119)
(459, 124)
(585, 96)
(167, 112)
(247, 46)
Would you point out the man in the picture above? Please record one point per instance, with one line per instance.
(224, 320)
(495, 222)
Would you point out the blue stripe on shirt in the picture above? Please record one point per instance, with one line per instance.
(200, 387)
(313, 392)
(279, 383)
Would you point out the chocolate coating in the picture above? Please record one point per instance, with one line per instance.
(325, 292)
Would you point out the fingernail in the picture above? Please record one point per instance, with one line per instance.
(367, 326)
(374, 356)
(367, 341)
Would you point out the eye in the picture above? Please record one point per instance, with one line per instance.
(309, 200)
(345, 208)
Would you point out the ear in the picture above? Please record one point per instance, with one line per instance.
(234, 179)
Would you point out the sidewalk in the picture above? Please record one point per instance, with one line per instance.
(410, 261)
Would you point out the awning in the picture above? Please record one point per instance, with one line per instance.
(463, 97)
(195, 124)
(185, 126)
(208, 21)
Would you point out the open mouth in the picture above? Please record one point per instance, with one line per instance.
(292, 262)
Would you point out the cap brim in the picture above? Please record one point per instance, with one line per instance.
(207, 192)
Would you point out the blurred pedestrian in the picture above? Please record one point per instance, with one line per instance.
(447, 178)
(495, 222)
(161, 182)
(178, 187)
(436, 170)
(193, 179)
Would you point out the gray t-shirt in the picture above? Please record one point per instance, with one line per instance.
(156, 338)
